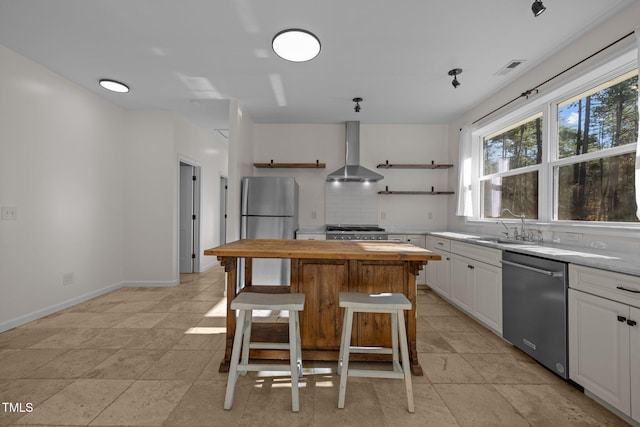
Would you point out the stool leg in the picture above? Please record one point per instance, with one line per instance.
(235, 356)
(298, 344)
(293, 359)
(394, 338)
(344, 354)
(246, 343)
(344, 331)
(405, 359)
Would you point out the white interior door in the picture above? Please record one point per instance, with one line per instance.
(189, 218)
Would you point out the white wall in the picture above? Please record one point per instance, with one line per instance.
(96, 192)
(297, 143)
(609, 31)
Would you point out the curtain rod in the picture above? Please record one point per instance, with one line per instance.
(530, 91)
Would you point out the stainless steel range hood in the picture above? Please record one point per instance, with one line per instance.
(352, 171)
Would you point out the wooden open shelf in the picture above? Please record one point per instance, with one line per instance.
(272, 164)
(413, 193)
(431, 165)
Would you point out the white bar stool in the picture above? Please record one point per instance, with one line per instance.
(392, 303)
(246, 302)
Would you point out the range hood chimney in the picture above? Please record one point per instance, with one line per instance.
(352, 171)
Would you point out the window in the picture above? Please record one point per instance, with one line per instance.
(595, 130)
(572, 158)
(510, 169)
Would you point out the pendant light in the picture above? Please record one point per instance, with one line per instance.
(455, 73)
(296, 45)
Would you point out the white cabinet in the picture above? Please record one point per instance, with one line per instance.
(414, 239)
(438, 273)
(472, 281)
(604, 337)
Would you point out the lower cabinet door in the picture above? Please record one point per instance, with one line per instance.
(462, 282)
(487, 295)
(634, 342)
(599, 348)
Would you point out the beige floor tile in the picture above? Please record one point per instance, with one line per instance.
(77, 404)
(155, 339)
(130, 307)
(22, 363)
(193, 340)
(24, 337)
(448, 368)
(179, 364)
(448, 324)
(26, 391)
(541, 405)
(508, 369)
(209, 296)
(67, 338)
(203, 405)
(182, 321)
(211, 370)
(72, 364)
(126, 364)
(113, 338)
(479, 405)
(170, 306)
(82, 320)
(362, 406)
(430, 410)
(432, 342)
(470, 342)
(141, 320)
(577, 398)
(435, 309)
(144, 403)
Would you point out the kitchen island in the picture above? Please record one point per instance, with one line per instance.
(321, 269)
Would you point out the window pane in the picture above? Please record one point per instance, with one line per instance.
(514, 148)
(518, 193)
(605, 117)
(598, 190)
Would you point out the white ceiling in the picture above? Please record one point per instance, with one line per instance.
(191, 56)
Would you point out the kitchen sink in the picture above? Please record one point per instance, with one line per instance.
(504, 240)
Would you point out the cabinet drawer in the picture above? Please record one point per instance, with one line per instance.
(438, 243)
(615, 286)
(478, 252)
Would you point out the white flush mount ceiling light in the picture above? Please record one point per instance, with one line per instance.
(296, 45)
(113, 85)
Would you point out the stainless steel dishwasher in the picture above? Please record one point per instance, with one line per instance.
(534, 308)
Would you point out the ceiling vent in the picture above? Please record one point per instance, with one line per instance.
(512, 65)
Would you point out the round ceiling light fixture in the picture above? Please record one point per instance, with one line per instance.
(113, 85)
(296, 45)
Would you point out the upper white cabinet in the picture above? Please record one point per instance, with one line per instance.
(604, 336)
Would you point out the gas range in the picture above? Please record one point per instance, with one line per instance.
(356, 232)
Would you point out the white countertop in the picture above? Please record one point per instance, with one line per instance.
(605, 259)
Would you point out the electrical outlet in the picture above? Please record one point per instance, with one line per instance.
(68, 279)
(9, 213)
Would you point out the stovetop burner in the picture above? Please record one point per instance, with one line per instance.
(355, 232)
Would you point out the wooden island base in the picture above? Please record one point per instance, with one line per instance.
(321, 270)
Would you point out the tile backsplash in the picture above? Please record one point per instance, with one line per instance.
(351, 203)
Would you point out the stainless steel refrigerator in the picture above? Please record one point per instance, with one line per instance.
(269, 211)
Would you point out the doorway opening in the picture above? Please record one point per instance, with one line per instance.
(189, 218)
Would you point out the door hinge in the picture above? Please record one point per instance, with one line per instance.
(193, 217)
(194, 177)
(193, 256)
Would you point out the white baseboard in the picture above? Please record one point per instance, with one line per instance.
(35, 315)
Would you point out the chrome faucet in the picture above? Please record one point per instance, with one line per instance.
(505, 226)
(521, 216)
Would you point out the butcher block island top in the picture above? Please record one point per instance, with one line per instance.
(324, 249)
(321, 269)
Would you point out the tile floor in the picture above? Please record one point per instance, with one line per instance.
(150, 356)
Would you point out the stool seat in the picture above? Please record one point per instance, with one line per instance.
(245, 303)
(393, 304)
(385, 301)
(258, 301)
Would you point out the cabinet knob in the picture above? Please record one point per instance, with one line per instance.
(631, 322)
(622, 319)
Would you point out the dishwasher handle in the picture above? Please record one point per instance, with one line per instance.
(536, 270)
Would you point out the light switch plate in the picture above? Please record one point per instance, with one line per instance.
(9, 213)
